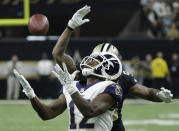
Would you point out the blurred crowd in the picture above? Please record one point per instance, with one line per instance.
(160, 18)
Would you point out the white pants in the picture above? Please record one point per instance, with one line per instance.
(13, 88)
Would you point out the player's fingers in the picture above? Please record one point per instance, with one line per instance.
(171, 95)
(16, 73)
(162, 88)
(65, 67)
(86, 11)
(83, 8)
(55, 74)
(75, 73)
(86, 20)
(58, 69)
(25, 83)
(58, 77)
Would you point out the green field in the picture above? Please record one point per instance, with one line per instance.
(137, 116)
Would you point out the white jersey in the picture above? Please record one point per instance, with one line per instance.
(102, 122)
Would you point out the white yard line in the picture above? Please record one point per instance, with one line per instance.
(173, 116)
(152, 122)
(19, 102)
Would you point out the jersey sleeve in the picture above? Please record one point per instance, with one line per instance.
(115, 91)
(61, 91)
(126, 81)
(130, 80)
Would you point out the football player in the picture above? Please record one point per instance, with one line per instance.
(90, 106)
(127, 81)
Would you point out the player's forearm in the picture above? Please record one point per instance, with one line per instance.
(149, 93)
(44, 111)
(86, 107)
(62, 43)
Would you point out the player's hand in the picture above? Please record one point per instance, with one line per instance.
(27, 89)
(65, 78)
(165, 95)
(77, 19)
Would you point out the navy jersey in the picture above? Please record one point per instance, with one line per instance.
(126, 80)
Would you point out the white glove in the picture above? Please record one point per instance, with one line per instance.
(65, 78)
(165, 95)
(77, 19)
(29, 92)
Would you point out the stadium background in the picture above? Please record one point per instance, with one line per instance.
(116, 21)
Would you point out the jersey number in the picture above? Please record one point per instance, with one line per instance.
(83, 123)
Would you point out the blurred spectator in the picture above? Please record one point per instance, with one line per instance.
(167, 19)
(175, 6)
(158, 16)
(161, 8)
(13, 86)
(150, 20)
(160, 72)
(164, 14)
(174, 71)
(44, 68)
(147, 70)
(138, 72)
(173, 32)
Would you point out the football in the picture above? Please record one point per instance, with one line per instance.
(38, 24)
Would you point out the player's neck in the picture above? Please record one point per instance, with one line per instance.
(91, 80)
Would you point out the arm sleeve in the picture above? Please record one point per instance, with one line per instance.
(115, 91)
(61, 91)
(127, 81)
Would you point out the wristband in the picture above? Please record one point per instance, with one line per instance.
(70, 28)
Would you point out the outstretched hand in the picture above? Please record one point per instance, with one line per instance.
(27, 89)
(65, 78)
(77, 19)
(165, 95)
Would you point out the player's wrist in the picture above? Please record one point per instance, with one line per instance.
(32, 95)
(68, 27)
(29, 93)
(71, 24)
(70, 89)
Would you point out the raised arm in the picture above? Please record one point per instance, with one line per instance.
(45, 112)
(62, 43)
(60, 48)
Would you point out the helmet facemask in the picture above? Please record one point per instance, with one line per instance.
(108, 66)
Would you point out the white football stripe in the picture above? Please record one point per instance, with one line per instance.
(169, 115)
(151, 122)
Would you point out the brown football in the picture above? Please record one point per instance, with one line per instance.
(38, 24)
